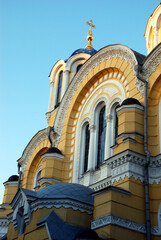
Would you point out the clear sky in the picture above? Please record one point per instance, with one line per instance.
(34, 35)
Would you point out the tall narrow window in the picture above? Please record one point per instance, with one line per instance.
(116, 123)
(101, 137)
(86, 150)
(78, 67)
(59, 88)
(36, 180)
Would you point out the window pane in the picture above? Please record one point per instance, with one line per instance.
(78, 67)
(101, 137)
(59, 88)
(87, 138)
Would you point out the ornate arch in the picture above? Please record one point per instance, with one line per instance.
(153, 117)
(31, 147)
(55, 68)
(75, 58)
(152, 61)
(114, 51)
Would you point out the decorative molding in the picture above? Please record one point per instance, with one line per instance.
(140, 86)
(58, 156)
(152, 61)
(35, 141)
(92, 114)
(108, 118)
(58, 203)
(123, 222)
(101, 184)
(49, 179)
(154, 175)
(15, 183)
(92, 128)
(127, 164)
(109, 52)
(126, 156)
(155, 162)
(133, 107)
(131, 164)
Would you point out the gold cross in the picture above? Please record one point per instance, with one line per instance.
(90, 35)
(91, 25)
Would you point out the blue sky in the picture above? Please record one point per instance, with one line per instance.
(34, 35)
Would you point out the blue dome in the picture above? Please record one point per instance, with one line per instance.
(67, 190)
(90, 51)
(13, 178)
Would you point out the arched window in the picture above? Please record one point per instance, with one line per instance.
(115, 124)
(78, 67)
(85, 138)
(60, 77)
(37, 178)
(101, 137)
(86, 150)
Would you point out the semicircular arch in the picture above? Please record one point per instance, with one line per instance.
(154, 121)
(108, 57)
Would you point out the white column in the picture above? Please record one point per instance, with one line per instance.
(65, 82)
(92, 147)
(50, 107)
(108, 141)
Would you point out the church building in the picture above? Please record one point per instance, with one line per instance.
(95, 171)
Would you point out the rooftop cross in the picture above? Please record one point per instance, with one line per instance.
(90, 35)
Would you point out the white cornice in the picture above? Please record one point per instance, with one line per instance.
(122, 222)
(52, 155)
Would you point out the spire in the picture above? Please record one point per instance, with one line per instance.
(90, 35)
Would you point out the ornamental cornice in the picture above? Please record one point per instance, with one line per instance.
(125, 157)
(58, 203)
(151, 62)
(155, 161)
(35, 141)
(131, 164)
(117, 51)
(122, 222)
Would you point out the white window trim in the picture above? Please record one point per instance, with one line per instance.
(82, 146)
(35, 177)
(91, 119)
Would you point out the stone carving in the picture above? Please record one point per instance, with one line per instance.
(129, 164)
(152, 61)
(66, 203)
(122, 222)
(140, 86)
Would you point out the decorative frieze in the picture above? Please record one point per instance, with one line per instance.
(151, 62)
(122, 222)
(58, 203)
(131, 164)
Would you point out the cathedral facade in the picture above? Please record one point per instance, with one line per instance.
(95, 171)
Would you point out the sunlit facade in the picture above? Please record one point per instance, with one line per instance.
(95, 171)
